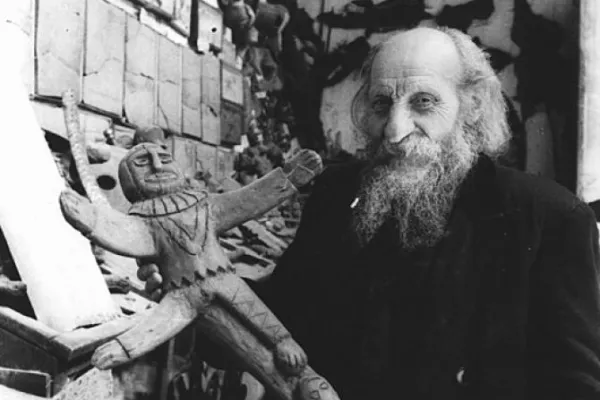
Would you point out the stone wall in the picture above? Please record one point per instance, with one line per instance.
(136, 63)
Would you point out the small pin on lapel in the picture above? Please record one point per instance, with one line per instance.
(354, 203)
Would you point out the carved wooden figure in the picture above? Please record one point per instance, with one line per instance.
(177, 228)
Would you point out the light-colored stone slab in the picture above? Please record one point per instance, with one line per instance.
(168, 114)
(191, 93)
(104, 69)
(59, 46)
(141, 55)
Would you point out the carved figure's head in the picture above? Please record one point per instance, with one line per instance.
(148, 171)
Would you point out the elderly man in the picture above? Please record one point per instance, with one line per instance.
(430, 272)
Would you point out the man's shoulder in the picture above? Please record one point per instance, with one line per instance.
(524, 190)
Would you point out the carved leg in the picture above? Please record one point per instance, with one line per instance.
(174, 312)
(237, 296)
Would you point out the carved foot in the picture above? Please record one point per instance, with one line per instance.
(303, 167)
(314, 387)
(290, 357)
(109, 355)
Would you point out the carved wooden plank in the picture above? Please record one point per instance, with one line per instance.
(33, 382)
(225, 160)
(191, 96)
(141, 50)
(211, 80)
(211, 123)
(103, 75)
(210, 26)
(52, 119)
(59, 48)
(182, 14)
(169, 85)
(588, 170)
(232, 123)
(15, 352)
(232, 82)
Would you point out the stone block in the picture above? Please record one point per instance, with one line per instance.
(104, 70)
(211, 80)
(191, 93)
(168, 114)
(59, 46)
(211, 123)
(210, 26)
(232, 84)
(141, 52)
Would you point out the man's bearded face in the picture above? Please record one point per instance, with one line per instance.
(418, 145)
(415, 188)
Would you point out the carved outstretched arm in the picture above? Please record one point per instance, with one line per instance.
(122, 234)
(236, 207)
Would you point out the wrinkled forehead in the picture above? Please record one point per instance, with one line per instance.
(417, 53)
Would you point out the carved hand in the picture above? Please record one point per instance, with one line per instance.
(78, 211)
(290, 356)
(303, 167)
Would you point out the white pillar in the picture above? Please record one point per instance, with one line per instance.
(588, 157)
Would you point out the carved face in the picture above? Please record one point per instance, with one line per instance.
(148, 171)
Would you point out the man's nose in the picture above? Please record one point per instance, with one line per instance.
(399, 124)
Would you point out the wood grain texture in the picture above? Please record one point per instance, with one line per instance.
(103, 75)
(168, 114)
(141, 56)
(59, 47)
(192, 93)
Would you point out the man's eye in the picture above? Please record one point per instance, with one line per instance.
(423, 102)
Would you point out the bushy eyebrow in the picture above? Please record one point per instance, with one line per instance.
(381, 89)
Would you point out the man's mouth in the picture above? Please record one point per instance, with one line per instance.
(161, 177)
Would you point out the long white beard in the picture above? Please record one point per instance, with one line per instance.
(416, 188)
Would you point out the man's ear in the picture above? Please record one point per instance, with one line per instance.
(474, 105)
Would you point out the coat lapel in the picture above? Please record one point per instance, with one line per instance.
(495, 340)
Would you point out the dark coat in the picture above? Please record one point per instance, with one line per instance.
(507, 306)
